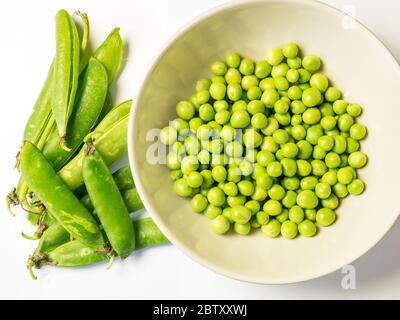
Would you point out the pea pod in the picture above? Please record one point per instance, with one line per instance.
(108, 202)
(66, 71)
(76, 254)
(56, 197)
(41, 111)
(114, 116)
(90, 98)
(110, 142)
(123, 178)
(110, 54)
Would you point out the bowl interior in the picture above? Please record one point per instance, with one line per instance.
(354, 60)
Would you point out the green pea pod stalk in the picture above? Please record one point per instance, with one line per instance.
(108, 202)
(57, 197)
(109, 139)
(76, 254)
(90, 97)
(66, 72)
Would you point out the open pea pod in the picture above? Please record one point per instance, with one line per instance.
(90, 97)
(110, 142)
(66, 72)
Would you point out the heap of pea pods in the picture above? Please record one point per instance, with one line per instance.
(267, 145)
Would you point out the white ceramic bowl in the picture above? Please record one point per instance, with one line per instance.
(353, 59)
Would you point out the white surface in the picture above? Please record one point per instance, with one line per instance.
(27, 30)
(256, 258)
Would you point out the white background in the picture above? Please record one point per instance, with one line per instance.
(27, 34)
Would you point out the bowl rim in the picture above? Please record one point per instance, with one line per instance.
(131, 141)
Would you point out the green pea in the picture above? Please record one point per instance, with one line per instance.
(203, 84)
(168, 135)
(212, 211)
(230, 189)
(272, 207)
(281, 106)
(289, 230)
(345, 122)
(298, 132)
(307, 228)
(255, 106)
(252, 139)
(234, 149)
(311, 97)
(198, 203)
(323, 190)
(270, 97)
(221, 105)
(332, 94)
(332, 202)
(189, 164)
(218, 158)
(279, 70)
(262, 218)
(176, 174)
(290, 199)
(311, 63)
(283, 119)
(357, 159)
(254, 93)
(319, 153)
(233, 76)
(319, 168)
(218, 68)
(207, 179)
(259, 121)
(326, 143)
(310, 214)
(242, 229)
(330, 178)
(240, 119)
(296, 214)
(260, 194)
(264, 181)
(216, 197)
(319, 81)
(325, 217)
(246, 67)
(179, 125)
(308, 183)
(296, 120)
(276, 192)
(340, 107)
(220, 225)
(241, 214)
(303, 168)
(272, 229)
(289, 167)
(246, 188)
(354, 110)
(352, 145)
(192, 145)
(328, 123)
(195, 123)
(304, 77)
(332, 160)
(294, 63)
(274, 56)
(234, 174)
(345, 175)
(305, 149)
(307, 199)
(292, 75)
(281, 84)
(228, 133)
(217, 91)
(356, 187)
(340, 190)
(267, 83)
(280, 136)
(253, 205)
(274, 169)
(273, 125)
(262, 69)
(234, 91)
(340, 144)
(222, 117)
(182, 189)
(219, 173)
(358, 131)
(218, 79)
(249, 81)
(269, 144)
(232, 60)
(312, 116)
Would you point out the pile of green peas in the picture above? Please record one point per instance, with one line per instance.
(268, 145)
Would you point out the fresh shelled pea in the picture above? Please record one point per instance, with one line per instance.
(279, 146)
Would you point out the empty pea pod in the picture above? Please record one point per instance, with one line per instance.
(66, 71)
(56, 197)
(108, 202)
(89, 102)
(110, 141)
